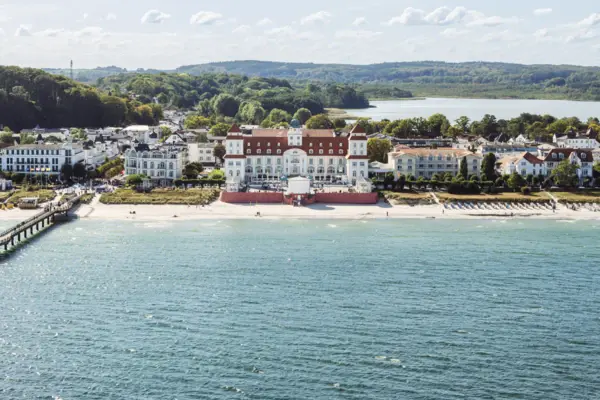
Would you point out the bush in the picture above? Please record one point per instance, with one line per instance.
(464, 188)
(526, 191)
(135, 179)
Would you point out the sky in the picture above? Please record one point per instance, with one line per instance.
(167, 34)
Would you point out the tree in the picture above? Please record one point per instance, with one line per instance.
(79, 171)
(78, 134)
(339, 123)
(217, 175)
(319, 121)
(220, 129)
(464, 168)
(219, 152)
(565, 174)
(196, 122)
(192, 170)
(66, 172)
(275, 118)
(454, 131)
(400, 183)
(134, 180)
(516, 182)
(6, 138)
(303, 115)
(226, 105)
(27, 138)
(463, 123)
(488, 167)
(165, 132)
(378, 149)
(251, 112)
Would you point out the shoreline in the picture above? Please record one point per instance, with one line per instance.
(225, 211)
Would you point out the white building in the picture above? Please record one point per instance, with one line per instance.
(523, 164)
(163, 164)
(320, 154)
(98, 151)
(203, 153)
(46, 159)
(577, 141)
(427, 162)
(584, 160)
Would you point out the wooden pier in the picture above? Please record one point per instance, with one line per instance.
(18, 235)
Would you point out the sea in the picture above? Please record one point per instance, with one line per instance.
(475, 109)
(303, 309)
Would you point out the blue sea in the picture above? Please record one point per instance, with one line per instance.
(404, 309)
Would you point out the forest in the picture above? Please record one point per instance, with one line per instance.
(32, 97)
(185, 91)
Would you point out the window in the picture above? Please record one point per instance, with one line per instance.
(258, 161)
(341, 152)
(278, 145)
(320, 144)
(310, 145)
(321, 151)
(248, 151)
(341, 144)
(258, 144)
(258, 151)
(268, 144)
(310, 151)
(310, 162)
(320, 161)
(330, 151)
(362, 164)
(330, 144)
(278, 151)
(354, 164)
(268, 151)
(279, 161)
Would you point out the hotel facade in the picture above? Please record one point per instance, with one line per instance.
(46, 159)
(427, 162)
(267, 155)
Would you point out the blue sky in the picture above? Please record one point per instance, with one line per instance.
(167, 34)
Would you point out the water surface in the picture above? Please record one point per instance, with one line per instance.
(303, 310)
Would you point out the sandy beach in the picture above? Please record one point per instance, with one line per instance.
(221, 211)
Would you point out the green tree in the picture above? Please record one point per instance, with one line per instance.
(516, 182)
(378, 149)
(220, 129)
(276, 118)
(226, 105)
(6, 138)
(219, 152)
(464, 169)
(192, 170)
(79, 171)
(339, 123)
(251, 112)
(463, 123)
(26, 138)
(196, 122)
(165, 132)
(66, 172)
(217, 175)
(565, 174)
(134, 180)
(303, 115)
(78, 134)
(319, 121)
(488, 167)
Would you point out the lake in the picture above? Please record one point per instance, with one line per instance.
(475, 109)
(403, 309)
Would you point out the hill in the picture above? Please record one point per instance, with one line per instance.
(30, 97)
(426, 78)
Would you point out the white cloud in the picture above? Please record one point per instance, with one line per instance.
(85, 16)
(241, 29)
(264, 22)
(359, 21)
(23, 30)
(581, 36)
(154, 17)
(89, 31)
(356, 34)
(446, 16)
(318, 17)
(2, 32)
(542, 11)
(454, 32)
(49, 32)
(410, 16)
(591, 20)
(110, 17)
(541, 33)
(493, 21)
(282, 30)
(205, 18)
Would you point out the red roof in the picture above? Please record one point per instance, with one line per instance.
(234, 156)
(274, 143)
(235, 129)
(584, 155)
(532, 159)
(358, 129)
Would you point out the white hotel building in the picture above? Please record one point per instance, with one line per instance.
(163, 164)
(46, 159)
(324, 155)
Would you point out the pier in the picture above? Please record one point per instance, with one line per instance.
(17, 235)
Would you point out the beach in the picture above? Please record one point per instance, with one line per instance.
(224, 211)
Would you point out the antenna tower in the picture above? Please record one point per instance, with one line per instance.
(71, 70)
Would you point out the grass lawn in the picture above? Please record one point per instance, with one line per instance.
(161, 196)
(44, 195)
(578, 197)
(410, 198)
(4, 196)
(536, 197)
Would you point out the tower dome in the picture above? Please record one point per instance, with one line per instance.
(295, 124)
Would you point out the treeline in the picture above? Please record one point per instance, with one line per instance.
(187, 91)
(531, 126)
(31, 97)
(471, 79)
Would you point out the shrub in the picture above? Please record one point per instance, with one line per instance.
(525, 190)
